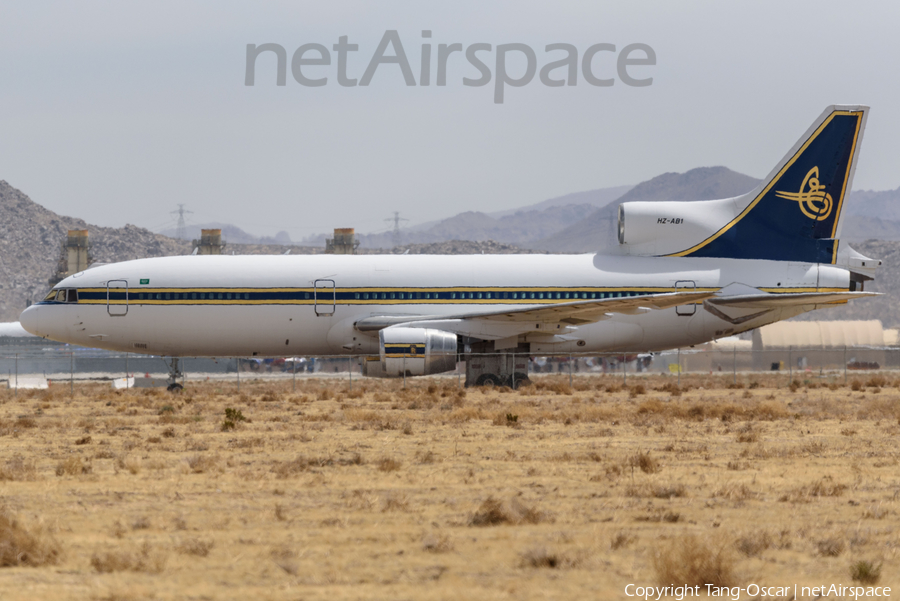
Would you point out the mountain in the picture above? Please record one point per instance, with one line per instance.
(598, 229)
(596, 198)
(878, 205)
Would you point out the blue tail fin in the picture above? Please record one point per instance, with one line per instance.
(795, 213)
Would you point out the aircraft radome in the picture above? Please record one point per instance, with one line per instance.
(682, 274)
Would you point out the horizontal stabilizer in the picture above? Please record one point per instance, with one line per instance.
(793, 299)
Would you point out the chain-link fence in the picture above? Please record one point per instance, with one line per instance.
(38, 366)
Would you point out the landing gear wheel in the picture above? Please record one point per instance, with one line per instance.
(519, 380)
(489, 380)
(175, 387)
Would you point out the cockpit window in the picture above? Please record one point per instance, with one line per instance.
(66, 295)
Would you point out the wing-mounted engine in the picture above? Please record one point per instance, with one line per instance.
(414, 352)
(658, 228)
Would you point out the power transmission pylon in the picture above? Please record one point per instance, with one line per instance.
(181, 212)
(395, 234)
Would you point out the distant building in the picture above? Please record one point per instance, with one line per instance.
(210, 243)
(343, 243)
(820, 344)
(75, 256)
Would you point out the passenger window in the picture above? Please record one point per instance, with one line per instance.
(558, 295)
(365, 296)
(193, 296)
(246, 296)
(567, 295)
(401, 296)
(487, 295)
(506, 295)
(452, 295)
(356, 296)
(220, 296)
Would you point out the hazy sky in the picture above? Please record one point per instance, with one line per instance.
(115, 111)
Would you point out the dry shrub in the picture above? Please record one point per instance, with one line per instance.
(734, 492)
(426, 457)
(493, 512)
(830, 547)
(146, 560)
(395, 501)
(200, 464)
(661, 491)
(824, 487)
(670, 387)
(637, 390)
(694, 561)
(541, 557)
(437, 543)
(388, 464)
(20, 546)
(865, 572)
(17, 469)
(620, 541)
(285, 469)
(754, 543)
(195, 546)
(645, 462)
(132, 463)
(73, 466)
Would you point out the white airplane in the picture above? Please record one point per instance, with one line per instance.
(684, 273)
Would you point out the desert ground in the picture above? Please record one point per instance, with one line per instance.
(431, 491)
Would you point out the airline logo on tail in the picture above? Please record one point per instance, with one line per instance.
(814, 202)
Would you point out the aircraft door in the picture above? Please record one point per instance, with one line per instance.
(684, 286)
(117, 297)
(324, 297)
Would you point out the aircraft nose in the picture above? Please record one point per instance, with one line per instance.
(30, 320)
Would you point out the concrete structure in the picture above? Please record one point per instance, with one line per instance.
(210, 243)
(343, 243)
(75, 256)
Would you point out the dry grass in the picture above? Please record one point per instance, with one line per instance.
(383, 492)
(23, 546)
(493, 512)
(694, 561)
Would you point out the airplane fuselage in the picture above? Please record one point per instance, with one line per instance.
(309, 305)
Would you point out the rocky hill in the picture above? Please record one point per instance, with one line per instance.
(30, 241)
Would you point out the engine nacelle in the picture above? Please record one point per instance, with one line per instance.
(671, 226)
(415, 352)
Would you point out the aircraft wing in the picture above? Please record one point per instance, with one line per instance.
(544, 319)
(789, 299)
